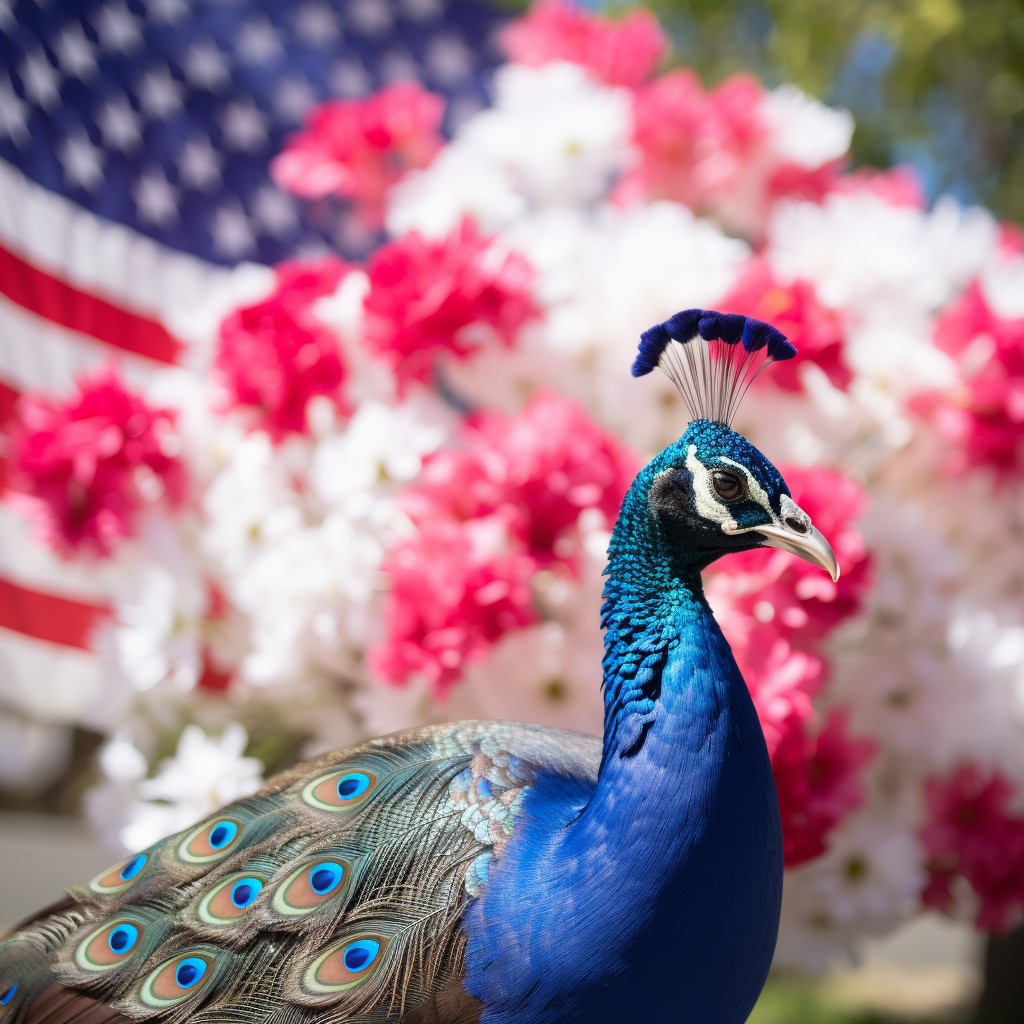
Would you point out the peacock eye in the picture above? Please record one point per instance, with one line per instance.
(109, 945)
(340, 791)
(210, 842)
(346, 964)
(177, 979)
(120, 876)
(8, 994)
(229, 900)
(727, 485)
(312, 886)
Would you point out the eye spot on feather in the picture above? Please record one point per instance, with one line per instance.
(340, 791)
(177, 979)
(109, 945)
(312, 886)
(230, 900)
(8, 994)
(121, 876)
(346, 964)
(210, 842)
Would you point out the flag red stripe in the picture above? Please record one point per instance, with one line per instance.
(48, 617)
(57, 301)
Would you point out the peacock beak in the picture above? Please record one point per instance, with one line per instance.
(794, 532)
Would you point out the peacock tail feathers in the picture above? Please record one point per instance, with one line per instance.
(335, 894)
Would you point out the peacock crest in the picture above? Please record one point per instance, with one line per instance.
(715, 358)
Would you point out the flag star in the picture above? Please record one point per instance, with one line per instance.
(232, 234)
(14, 114)
(244, 127)
(316, 25)
(370, 17)
(398, 66)
(156, 199)
(119, 30)
(76, 54)
(350, 79)
(82, 161)
(40, 79)
(421, 10)
(160, 94)
(166, 12)
(274, 212)
(199, 164)
(293, 98)
(206, 67)
(448, 59)
(121, 125)
(258, 42)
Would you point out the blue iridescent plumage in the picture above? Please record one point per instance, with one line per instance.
(493, 871)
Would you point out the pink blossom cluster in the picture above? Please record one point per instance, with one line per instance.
(274, 356)
(776, 610)
(452, 295)
(793, 307)
(490, 512)
(974, 833)
(712, 151)
(618, 52)
(985, 415)
(358, 149)
(85, 466)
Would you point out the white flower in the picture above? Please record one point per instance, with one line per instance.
(205, 773)
(804, 131)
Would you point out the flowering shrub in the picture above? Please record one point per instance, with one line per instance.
(405, 487)
(85, 467)
(358, 149)
(275, 356)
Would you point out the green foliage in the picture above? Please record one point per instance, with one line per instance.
(935, 83)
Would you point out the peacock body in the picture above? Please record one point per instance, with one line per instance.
(492, 871)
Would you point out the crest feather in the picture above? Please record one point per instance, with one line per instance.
(716, 358)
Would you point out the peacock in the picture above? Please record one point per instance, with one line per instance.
(493, 871)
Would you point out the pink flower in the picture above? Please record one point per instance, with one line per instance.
(490, 513)
(817, 779)
(358, 149)
(794, 309)
(619, 52)
(454, 295)
(691, 142)
(985, 417)
(84, 468)
(456, 588)
(973, 833)
(275, 356)
(540, 469)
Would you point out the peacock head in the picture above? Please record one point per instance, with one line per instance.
(712, 490)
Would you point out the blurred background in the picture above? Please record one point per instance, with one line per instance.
(315, 328)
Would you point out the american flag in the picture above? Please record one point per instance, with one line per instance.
(135, 137)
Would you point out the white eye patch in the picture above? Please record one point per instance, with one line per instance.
(709, 506)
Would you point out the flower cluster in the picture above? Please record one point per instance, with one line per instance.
(85, 468)
(406, 473)
(275, 356)
(490, 513)
(622, 52)
(974, 833)
(360, 149)
(452, 296)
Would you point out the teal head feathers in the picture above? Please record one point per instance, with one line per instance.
(712, 491)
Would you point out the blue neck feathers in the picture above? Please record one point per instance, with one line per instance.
(666, 878)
